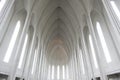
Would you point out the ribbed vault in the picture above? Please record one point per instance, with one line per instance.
(58, 27)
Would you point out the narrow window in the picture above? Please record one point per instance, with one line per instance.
(58, 72)
(53, 72)
(34, 62)
(2, 3)
(12, 43)
(93, 51)
(23, 51)
(49, 72)
(67, 73)
(115, 8)
(63, 69)
(103, 42)
(83, 68)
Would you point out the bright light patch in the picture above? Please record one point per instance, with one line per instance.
(34, 62)
(63, 69)
(53, 72)
(58, 72)
(103, 42)
(49, 72)
(93, 51)
(23, 52)
(67, 73)
(12, 43)
(115, 8)
(2, 3)
(83, 67)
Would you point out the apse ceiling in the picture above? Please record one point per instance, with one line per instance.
(59, 24)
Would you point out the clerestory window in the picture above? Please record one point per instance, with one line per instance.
(12, 42)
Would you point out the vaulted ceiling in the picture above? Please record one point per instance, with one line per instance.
(59, 24)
